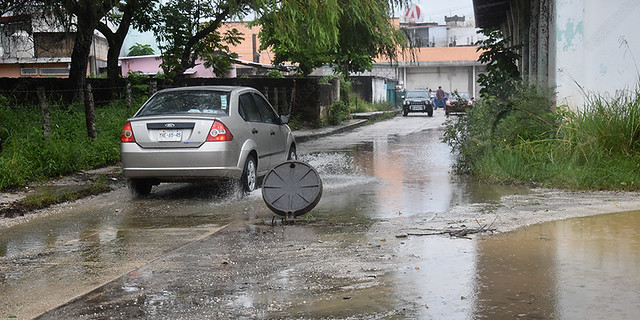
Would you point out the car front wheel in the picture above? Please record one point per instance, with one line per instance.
(249, 177)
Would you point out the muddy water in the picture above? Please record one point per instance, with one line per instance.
(406, 175)
(584, 268)
(587, 268)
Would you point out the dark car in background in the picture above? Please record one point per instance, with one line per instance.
(417, 101)
(458, 103)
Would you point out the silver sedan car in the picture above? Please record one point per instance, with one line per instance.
(204, 133)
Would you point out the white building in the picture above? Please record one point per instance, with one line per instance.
(33, 46)
(573, 46)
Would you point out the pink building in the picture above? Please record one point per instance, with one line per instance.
(150, 65)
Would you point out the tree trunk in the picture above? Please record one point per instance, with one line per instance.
(80, 55)
(88, 13)
(116, 39)
(44, 114)
(79, 60)
(89, 112)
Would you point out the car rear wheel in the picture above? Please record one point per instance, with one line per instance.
(140, 187)
(249, 176)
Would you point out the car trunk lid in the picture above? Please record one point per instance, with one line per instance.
(177, 132)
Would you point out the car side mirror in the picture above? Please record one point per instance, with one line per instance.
(284, 119)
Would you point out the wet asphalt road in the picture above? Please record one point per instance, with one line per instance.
(367, 251)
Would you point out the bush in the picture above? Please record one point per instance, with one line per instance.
(338, 112)
(345, 90)
(275, 74)
(525, 142)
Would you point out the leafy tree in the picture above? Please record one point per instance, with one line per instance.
(501, 61)
(19, 6)
(124, 14)
(346, 33)
(502, 79)
(139, 49)
(188, 30)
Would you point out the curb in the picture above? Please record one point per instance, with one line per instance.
(357, 120)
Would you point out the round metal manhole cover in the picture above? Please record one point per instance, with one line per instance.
(292, 188)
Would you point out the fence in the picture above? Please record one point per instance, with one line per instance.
(304, 98)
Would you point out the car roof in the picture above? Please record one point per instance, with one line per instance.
(212, 88)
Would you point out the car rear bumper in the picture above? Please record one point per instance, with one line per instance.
(212, 160)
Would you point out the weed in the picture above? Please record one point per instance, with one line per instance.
(27, 156)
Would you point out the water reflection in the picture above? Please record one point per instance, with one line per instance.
(584, 268)
(408, 175)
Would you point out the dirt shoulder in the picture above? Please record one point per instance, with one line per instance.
(538, 206)
(17, 206)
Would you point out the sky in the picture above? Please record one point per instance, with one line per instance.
(435, 10)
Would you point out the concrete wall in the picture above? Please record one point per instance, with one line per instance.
(372, 88)
(577, 47)
(596, 47)
(463, 79)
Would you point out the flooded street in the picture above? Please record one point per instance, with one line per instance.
(375, 247)
(583, 268)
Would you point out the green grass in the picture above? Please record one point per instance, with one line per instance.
(595, 148)
(358, 105)
(27, 157)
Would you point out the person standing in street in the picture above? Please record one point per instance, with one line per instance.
(439, 97)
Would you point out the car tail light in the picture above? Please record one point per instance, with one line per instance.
(219, 132)
(127, 133)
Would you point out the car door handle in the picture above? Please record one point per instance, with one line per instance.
(254, 131)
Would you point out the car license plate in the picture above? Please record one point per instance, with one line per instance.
(416, 107)
(169, 135)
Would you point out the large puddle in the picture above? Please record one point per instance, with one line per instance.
(582, 268)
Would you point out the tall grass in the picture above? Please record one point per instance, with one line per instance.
(596, 147)
(609, 125)
(26, 156)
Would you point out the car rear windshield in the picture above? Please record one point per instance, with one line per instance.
(418, 94)
(207, 102)
(462, 95)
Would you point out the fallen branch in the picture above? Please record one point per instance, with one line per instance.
(457, 233)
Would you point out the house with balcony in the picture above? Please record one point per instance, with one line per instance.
(33, 46)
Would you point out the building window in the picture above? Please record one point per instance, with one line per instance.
(29, 71)
(54, 71)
